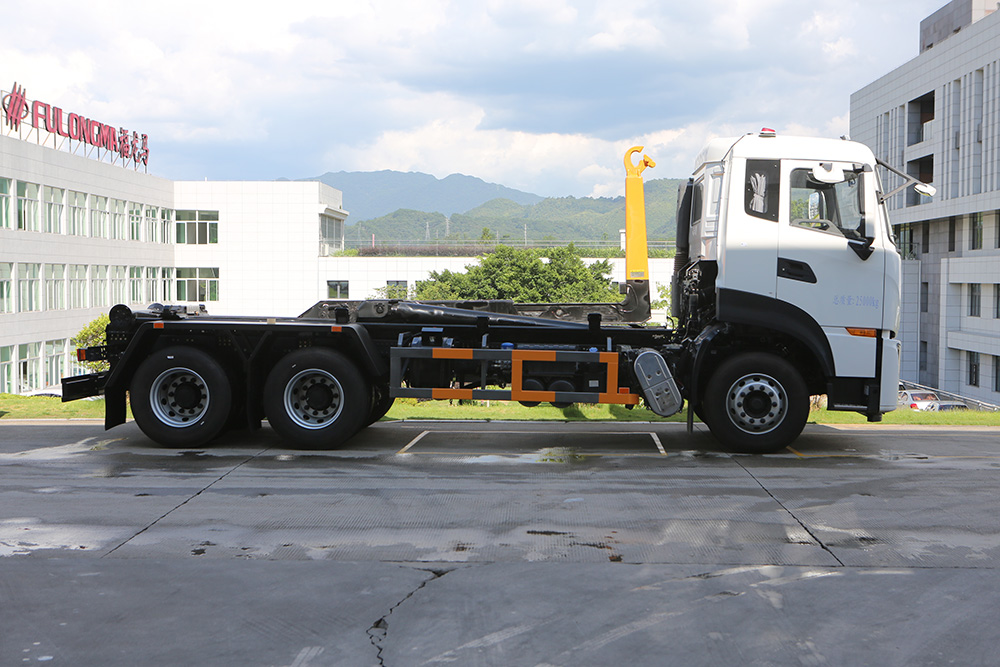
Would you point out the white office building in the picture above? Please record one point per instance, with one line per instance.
(83, 227)
(938, 118)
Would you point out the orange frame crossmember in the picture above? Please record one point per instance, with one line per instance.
(613, 394)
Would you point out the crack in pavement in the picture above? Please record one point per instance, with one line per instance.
(185, 502)
(380, 628)
(790, 513)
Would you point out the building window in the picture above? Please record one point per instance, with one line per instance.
(99, 217)
(55, 286)
(117, 209)
(336, 289)
(99, 285)
(996, 300)
(904, 243)
(117, 278)
(975, 299)
(197, 284)
(996, 373)
(996, 230)
(197, 227)
(135, 284)
(29, 278)
(331, 235)
(27, 206)
(53, 209)
(152, 224)
(973, 358)
(925, 237)
(167, 282)
(924, 296)
(5, 203)
(976, 231)
(166, 225)
(135, 222)
(151, 284)
(6, 287)
(76, 213)
(951, 234)
(55, 359)
(7, 369)
(395, 289)
(77, 278)
(923, 355)
(29, 367)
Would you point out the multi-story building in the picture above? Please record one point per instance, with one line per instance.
(83, 227)
(937, 118)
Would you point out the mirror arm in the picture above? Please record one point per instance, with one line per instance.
(907, 180)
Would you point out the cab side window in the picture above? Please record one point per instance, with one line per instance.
(760, 198)
(833, 208)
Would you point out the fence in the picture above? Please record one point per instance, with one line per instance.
(470, 248)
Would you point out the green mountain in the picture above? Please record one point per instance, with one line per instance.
(554, 218)
(371, 194)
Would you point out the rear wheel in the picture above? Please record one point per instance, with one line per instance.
(180, 396)
(756, 403)
(316, 398)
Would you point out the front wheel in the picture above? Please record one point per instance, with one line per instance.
(756, 403)
(180, 396)
(316, 398)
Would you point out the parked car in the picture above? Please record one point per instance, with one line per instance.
(927, 401)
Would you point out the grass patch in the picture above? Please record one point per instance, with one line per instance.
(13, 406)
(44, 407)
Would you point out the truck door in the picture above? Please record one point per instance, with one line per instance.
(823, 214)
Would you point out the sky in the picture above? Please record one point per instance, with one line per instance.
(540, 95)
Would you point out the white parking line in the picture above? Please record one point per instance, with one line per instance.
(413, 442)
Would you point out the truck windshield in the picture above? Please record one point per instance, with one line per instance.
(835, 208)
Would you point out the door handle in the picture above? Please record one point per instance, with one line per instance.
(795, 270)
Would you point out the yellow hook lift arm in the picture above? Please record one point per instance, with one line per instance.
(636, 250)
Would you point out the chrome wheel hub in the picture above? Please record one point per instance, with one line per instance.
(313, 398)
(179, 397)
(756, 403)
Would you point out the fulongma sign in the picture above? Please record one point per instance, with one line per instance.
(129, 146)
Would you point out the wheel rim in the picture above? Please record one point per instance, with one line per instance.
(756, 403)
(313, 398)
(179, 397)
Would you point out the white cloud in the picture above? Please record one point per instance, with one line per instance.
(543, 96)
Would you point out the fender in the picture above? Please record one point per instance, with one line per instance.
(769, 313)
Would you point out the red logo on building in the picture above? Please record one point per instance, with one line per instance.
(15, 105)
(129, 146)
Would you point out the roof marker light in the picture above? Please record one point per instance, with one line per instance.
(767, 132)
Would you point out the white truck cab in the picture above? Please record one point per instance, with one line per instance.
(788, 244)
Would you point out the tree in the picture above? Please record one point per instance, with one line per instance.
(92, 335)
(521, 275)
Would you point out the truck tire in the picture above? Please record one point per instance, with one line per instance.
(756, 403)
(316, 398)
(180, 396)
